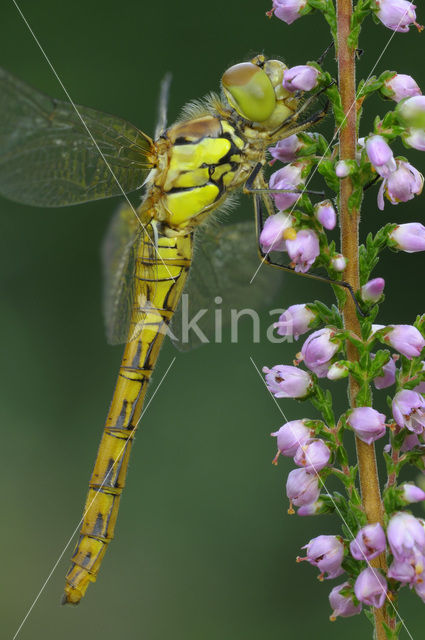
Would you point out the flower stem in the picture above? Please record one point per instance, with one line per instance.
(349, 221)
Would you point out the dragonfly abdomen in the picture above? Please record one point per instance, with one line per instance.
(154, 302)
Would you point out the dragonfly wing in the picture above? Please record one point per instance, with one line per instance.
(120, 250)
(47, 157)
(225, 261)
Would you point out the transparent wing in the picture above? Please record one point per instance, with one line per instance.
(225, 261)
(125, 241)
(48, 159)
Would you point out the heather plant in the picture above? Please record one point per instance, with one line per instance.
(380, 548)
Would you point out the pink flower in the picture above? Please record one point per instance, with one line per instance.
(367, 423)
(286, 149)
(288, 10)
(289, 178)
(400, 185)
(326, 214)
(411, 493)
(326, 553)
(380, 155)
(291, 436)
(388, 379)
(401, 86)
(342, 169)
(406, 339)
(302, 488)
(303, 250)
(410, 442)
(310, 509)
(372, 290)
(414, 138)
(369, 542)
(318, 350)
(342, 605)
(303, 77)
(408, 237)
(313, 455)
(284, 381)
(397, 15)
(371, 588)
(409, 410)
(403, 572)
(272, 235)
(295, 321)
(406, 537)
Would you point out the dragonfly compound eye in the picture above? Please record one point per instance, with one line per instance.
(248, 90)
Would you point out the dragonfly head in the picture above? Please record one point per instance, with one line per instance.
(254, 89)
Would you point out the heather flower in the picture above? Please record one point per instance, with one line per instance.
(406, 339)
(303, 77)
(310, 509)
(409, 410)
(326, 553)
(408, 237)
(410, 442)
(288, 10)
(367, 423)
(318, 350)
(401, 86)
(404, 572)
(406, 537)
(313, 455)
(295, 321)
(326, 214)
(303, 250)
(272, 237)
(380, 155)
(397, 15)
(339, 262)
(371, 588)
(291, 436)
(302, 487)
(414, 138)
(400, 185)
(389, 370)
(411, 112)
(337, 370)
(342, 605)
(372, 290)
(411, 493)
(286, 149)
(288, 178)
(369, 542)
(284, 381)
(342, 169)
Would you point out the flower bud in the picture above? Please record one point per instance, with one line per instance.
(411, 493)
(406, 339)
(302, 488)
(318, 350)
(313, 455)
(303, 250)
(272, 235)
(303, 77)
(339, 262)
(414, 138)
(408, 237)
(337, 371)
(289, 178)
(286, 149)
(367, 423)
(397, 15)
(291, 436)
(380, 155)
(389, 370)
(295, 321)
(411, 112)
(326, 553)
(342, 169)
(371, 588)
(326, 214)
(406, 537)
(372, 290)
(400, 86)
(401, 185)
(284, 381)
(342, 606)
(288, 10)
(409, 410)
(369, 542)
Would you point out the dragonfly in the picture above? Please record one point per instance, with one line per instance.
(55, 154)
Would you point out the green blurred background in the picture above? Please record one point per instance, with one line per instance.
(204, 546)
